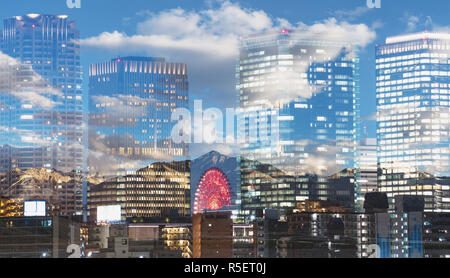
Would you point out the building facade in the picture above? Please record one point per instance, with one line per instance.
(42, 99)
(330, 235)
(244, 243)
(368, 170)
(413, 109)
(131, 103)
(159, 191)
(41, 89)
(436, 236)
(212, 235)
(299, 100)
(37, 237)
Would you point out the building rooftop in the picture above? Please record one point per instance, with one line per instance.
(34, 16)
(418, 36)
(140, 58)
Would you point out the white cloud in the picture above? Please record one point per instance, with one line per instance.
(23, 83)
(412, 22)
(197, 150)
(101, 160)
(15, 137)
(341, 31)
(117, 108)
(289, 85)
(208, 41)
(320, 158)
(419, 23)
(213, 46)
(211, 33)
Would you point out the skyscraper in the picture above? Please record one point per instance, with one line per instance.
(413, 118)
(41, 117)
(299, 96)
(131, 103)
(367, 166)
(44, 100)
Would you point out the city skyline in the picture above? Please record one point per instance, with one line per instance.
(374, 24)
(291, 95)
(224, 128)
(309, 87)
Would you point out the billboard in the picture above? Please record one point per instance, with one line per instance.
(34, 208)
(109, 214)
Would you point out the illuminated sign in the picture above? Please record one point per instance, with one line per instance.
(34, 208)
(109, 214)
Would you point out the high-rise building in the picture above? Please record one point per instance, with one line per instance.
(367, 178)
(299, 97)
(159, 191)
(406, 227)
(47, 114)
(131, 103)
(41, 95)
(413, 118)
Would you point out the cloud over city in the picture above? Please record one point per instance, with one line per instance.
(208, 41)
(22, 82)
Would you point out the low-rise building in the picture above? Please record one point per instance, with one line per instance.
(37, 237)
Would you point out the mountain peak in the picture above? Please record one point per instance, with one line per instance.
(213, 152)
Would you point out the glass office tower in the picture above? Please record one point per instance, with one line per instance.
(42, 92)
(41, 117)
(299, 100)
(131, 103)
(368, 167)
(413, 117)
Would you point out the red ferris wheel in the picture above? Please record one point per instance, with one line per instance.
(213, 191)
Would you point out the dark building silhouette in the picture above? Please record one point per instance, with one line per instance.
(376, 202)
(212, 235)
(37, 237)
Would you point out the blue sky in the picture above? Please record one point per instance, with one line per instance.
(213, 84)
